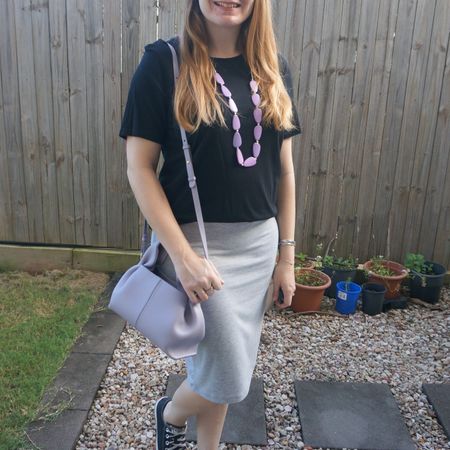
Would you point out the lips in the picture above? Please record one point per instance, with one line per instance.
(227, 4)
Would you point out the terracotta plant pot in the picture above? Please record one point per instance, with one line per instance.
(309, 298)
(392, 282)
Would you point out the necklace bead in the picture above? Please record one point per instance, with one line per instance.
(257, 115)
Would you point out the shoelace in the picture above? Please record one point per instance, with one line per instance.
(175, 437)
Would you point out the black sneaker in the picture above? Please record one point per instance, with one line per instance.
(168, 436)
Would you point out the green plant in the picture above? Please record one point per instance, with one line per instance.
(380, 268)
(340, 263)
(308, 278)
(301, 260)
(347, 281)
(416, 262)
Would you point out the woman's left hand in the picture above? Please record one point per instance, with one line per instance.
(284, 279)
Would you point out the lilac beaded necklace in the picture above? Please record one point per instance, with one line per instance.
(257, 115)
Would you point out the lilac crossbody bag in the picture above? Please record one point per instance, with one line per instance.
(162, 312)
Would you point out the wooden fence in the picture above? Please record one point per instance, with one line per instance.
(372, 84)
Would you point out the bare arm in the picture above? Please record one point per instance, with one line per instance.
(284, 272)
(142, 161)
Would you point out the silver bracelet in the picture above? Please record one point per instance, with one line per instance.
(286, 242)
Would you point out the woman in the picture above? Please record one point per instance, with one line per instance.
(246, 191)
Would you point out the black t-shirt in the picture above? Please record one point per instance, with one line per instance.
(228, 192)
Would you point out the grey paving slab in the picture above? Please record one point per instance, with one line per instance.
(79, 378)
(60, 433)
(351, 415)
(100, 333)
(439, 396)
(245, 421)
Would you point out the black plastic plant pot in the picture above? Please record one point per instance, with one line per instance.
(373, 298)
(427, 287)
(337, 275)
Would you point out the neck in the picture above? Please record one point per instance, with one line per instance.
(223, 41)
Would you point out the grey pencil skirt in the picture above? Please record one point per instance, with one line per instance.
(244, 253)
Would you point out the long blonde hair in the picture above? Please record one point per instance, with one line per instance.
(195, 98)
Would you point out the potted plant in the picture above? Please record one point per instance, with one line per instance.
(301, 260)
(426, 278)
(310, 286)
(347, 295)
(338, 269)
(386, 272)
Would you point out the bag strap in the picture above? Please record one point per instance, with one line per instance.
(190, 172)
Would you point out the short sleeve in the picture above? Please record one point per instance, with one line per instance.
(287, 78)
(145, 112)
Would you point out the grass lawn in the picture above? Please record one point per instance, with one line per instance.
(40, 318)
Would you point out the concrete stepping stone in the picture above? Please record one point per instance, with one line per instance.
(350, 415)
(439, 397)
(245, 421)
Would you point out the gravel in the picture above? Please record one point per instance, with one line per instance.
(403, 348)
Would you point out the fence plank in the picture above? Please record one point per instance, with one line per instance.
(95, 111)
(381, 72)
(61, 121)
(171, 18)
(7, 38)
(392, 127)
(340, 115)
(76, 17)
(114, 146)
(313, 13)
(26, 99)
(409, 136)
(131, 54)
(148, 23)
(357, 127)
(45, 143)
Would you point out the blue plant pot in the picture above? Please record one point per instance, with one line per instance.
(347, 296)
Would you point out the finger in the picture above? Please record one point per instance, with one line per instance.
(210, 289)
(276, 288)
(193, 298)
(220, 280)
(201, 294)
(288, 292)
(213, 281)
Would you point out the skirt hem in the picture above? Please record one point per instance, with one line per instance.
(212, 398)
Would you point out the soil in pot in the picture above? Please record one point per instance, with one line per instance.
(427, 287)
(309, 291)
(392, 282)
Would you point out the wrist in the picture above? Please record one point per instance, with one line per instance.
(182, 255)
(286, 252)
(287, 262)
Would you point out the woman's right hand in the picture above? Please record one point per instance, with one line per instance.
(197, 274)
